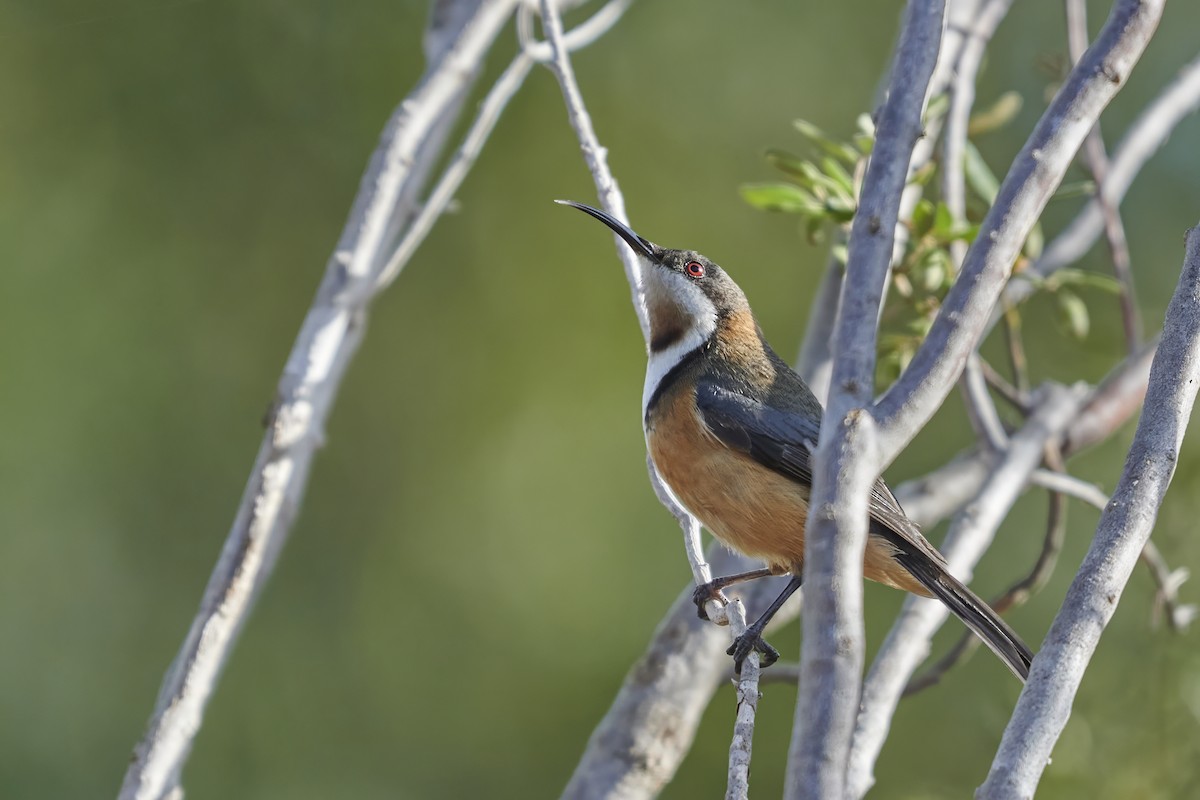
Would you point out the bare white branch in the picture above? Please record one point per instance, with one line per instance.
(1115, 400)
(815, 362)
(1146, 135)
(972, 532)
(435, 205)
(832, 654)
(1124, 528)
(649, 727)
(737, 784)
(845, 466)
(594, 155)
(1096, 156)
(1039, 168)
(324, 346)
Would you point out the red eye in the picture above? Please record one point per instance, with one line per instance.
(695, 269)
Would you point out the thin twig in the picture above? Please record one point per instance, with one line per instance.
(737, 783)
(1166, 589)
(1124, 529)
(1115, 400)
(1036, 172)
(505, 87)
(1096, 157)
(575, 39)
(610, 196)
(311, 377)
(1000, 385)
(815, 362)
(1018, 362)
(646, 732)
(594, 155)
(1166, 581)
(1066, 484)
(981, 411)
(435, 205)
(1149, 132)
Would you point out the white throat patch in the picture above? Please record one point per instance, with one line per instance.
(696, 307)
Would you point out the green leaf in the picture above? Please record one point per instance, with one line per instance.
(1078, 277)
(1034, 242)
(943, 223)
(814, 230)
(833, 168)
(784, 197)
(832, 190)
(932, 270)
(937, 108)
(830, 146)
(1072, 313)
(1068, 191)
(922, 218)
(979, 175)
(785, 162)
(999, 114)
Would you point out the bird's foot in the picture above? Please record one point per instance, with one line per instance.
(752, 642)
(705, 592)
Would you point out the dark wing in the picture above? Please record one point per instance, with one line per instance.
(782, 441)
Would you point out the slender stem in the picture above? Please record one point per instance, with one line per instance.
(435, 205)
(815, 363)
(594, 155)
(610, 196)
(980, 409)
(1096, 157)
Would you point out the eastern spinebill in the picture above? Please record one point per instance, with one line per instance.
(730, 427)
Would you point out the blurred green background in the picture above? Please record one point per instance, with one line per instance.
(479, 557)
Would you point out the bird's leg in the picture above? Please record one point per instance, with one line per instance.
(752, 639)
(712, 590)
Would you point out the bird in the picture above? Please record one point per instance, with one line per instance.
(731, 429)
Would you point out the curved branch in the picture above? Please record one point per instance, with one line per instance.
(311, 377)
(1124, 529)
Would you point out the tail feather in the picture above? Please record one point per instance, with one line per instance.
(974, 612)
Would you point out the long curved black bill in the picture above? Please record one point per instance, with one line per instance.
(639, 245)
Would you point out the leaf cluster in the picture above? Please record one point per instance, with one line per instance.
(822, 188)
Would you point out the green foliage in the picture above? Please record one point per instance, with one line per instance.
(823, 189)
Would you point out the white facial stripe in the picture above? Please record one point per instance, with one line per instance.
(698, 310)
(664, 361)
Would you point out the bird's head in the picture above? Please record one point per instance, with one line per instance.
(687, 295)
